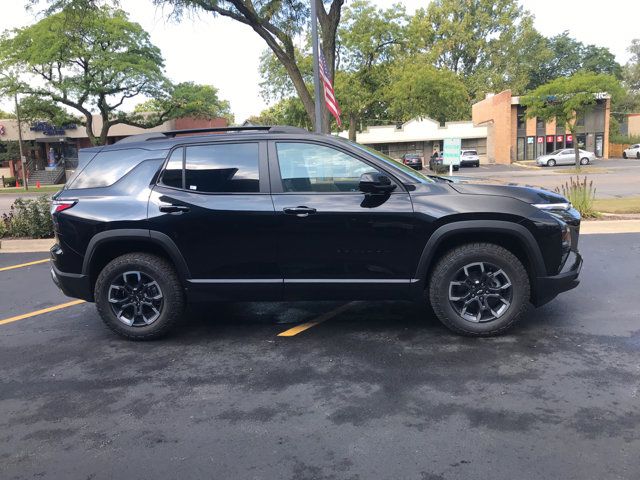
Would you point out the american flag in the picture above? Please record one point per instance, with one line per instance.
(329, 94)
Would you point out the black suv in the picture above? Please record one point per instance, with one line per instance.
(277, 213)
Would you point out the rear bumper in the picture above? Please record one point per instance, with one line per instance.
(74, 285)
(547, 288)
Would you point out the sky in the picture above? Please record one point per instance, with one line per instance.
(224, 53)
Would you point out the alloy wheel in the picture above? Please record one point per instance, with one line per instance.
(480, 292)
(135, 298)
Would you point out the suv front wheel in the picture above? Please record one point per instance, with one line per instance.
(139, 296)
(479, 289)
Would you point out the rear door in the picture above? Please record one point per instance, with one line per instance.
(334, 240)
(213, 202)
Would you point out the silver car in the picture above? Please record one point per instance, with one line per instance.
(565, 156)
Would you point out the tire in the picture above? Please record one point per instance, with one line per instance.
(624, 155)
(584, 161)
(638, 155)
(154, 276)
(494, 258)
(551, 163)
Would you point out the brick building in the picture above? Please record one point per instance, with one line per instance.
(511, 136)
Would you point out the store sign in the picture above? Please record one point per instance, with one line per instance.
(451, 151)
(550, 138)
(47, 129)
(529, 139)
(569, 138)
(540, 139)
(559, 138)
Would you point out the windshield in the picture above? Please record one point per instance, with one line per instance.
(555, 153)
(391, 162)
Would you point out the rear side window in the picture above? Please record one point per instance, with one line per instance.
(172, 175)
(107, 167)
(222, 168)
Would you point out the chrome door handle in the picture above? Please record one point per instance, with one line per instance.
(299, 211)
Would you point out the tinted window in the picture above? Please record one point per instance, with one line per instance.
(107, 167)
(223, 168)
(172, 176)
(305, 167)
(469, 152)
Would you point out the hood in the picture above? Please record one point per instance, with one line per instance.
(530, 195)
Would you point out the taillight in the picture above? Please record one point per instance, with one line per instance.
(62, 205)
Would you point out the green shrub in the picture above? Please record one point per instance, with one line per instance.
(3, 228)
(29, 217)
(624, 139)
(581, 195)
(10, 182)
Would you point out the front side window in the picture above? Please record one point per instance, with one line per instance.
(306, 167)
(222, 168)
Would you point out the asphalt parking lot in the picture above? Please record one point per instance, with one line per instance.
(374, 390)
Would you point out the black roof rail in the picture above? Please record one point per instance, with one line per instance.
(143, 137)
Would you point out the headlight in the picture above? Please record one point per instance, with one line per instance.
(552, 206)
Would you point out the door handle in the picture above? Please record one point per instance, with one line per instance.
(174, 208)
(299, 211)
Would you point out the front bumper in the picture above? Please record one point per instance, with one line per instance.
(547, 288)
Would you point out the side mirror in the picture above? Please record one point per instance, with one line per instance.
(375, 182)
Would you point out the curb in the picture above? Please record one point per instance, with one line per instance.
(26, 245)
(609, 226)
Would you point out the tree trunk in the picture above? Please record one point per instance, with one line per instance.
(88, 126)
(353, 126)
(576, 149)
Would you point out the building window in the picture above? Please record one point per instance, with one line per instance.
(550, 144)
(540, 125)
(539, 146)
(559, 141)
(582, 140)
(521, 118)
(580, 120)
(599, 150)
(520, 147)
(569, 142)
(530, 147)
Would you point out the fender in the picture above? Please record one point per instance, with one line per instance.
(483, 226)
(151, 236)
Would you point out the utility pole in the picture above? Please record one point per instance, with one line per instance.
(23, 159)
(316, 72)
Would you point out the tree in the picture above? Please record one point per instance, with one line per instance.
(479, 40)
(421, 90)
(568, 56)
(565, 98)
(185, 99)
(6, 115)
(288, 111)
(278, 23)
(95, 58)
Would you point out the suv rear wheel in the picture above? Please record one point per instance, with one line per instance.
(139, 296)
(479, 289)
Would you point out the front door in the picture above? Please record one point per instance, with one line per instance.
(334, 240)
(213, 202)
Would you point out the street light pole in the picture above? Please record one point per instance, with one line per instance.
(23, 159)
(316, 72)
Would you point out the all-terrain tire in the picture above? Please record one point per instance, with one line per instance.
(159, 270)
(452, 262)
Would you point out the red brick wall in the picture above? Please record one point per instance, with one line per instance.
(189, 123)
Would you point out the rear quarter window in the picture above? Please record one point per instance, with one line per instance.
(107, 167)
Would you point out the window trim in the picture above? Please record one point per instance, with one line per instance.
(276, 180)
(263, 169)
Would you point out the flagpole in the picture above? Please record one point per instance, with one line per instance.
(316, 73)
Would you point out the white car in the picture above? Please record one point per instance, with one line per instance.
(632, 152)
(565, 156)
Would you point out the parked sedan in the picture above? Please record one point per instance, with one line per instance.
(632, 152)
(469, 158)
(412, 160)
(565, 156)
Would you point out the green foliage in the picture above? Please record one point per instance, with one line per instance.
(39, 109)
(11, 182)
(288, 111)
(29, 217)
(624, 139)
(185, 99)
(566, 97)
(6, 115)
(421, 90)
(9, 150)
(581, 194)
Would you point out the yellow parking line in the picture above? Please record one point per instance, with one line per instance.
(322, 318)
(40, 312)
(11, 267)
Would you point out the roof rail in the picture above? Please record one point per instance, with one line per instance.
(143, 137)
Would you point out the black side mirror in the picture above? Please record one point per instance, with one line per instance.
(375, 182)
